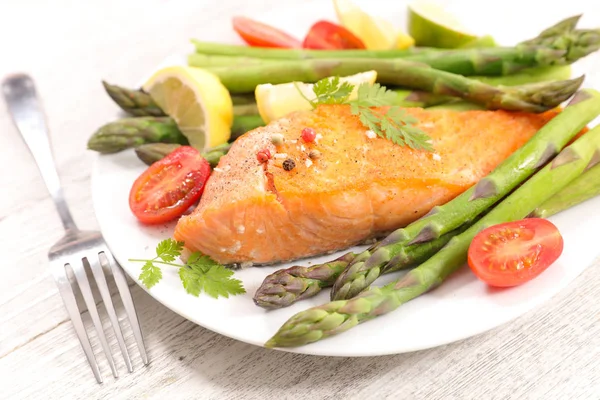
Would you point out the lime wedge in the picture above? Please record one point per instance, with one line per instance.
(432, 26)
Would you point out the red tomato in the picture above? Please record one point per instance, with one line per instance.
(513, 253)
(328, 36)
(258, 34)
(169, 186)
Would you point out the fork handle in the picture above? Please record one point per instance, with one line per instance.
(27, 113)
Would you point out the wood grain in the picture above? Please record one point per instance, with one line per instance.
(68, 46)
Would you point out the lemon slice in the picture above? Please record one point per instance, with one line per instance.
(376, 33)
(404, 41)
(276, 101)
(197, 101)
(432, 26)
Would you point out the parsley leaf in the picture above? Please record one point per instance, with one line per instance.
(168, 250)
(394, 124)
(374, 95)
(203, 274)
(199, 274)
(151, 274)
(332, 91)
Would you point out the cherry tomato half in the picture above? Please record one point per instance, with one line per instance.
(325, 35)
(169, 186)
(513, 253)
(258, 34)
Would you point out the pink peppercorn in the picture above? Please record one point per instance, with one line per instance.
(308, 135)
(263, 156)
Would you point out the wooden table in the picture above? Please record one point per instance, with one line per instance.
(68, 46)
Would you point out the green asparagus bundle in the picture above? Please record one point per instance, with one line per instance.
(287, 286)
(132, 132)
(473, 202)
(581, 189)
(558, 45)
(339, 316)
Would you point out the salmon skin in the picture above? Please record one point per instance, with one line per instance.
(359, 187)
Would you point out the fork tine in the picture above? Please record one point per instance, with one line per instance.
(127, 303)
(110, 308)
(88, 297)
(66, 292)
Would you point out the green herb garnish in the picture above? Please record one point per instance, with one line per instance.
(199, 274)
(394, 124)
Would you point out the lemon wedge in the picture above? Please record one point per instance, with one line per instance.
(376, 33)
(276, 101)
(432, 26)
(197, 101)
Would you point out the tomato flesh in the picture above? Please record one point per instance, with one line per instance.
(258, 34)
(169, 187)
(513, 253)
(325, 35)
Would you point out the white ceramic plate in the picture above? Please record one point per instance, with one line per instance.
(461, 307)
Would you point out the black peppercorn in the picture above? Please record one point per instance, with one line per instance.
(289, 164)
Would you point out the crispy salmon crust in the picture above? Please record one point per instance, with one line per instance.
(359, 187)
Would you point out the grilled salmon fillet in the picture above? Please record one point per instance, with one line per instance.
(356, 187)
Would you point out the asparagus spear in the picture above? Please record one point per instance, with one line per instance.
(530, 75)
(339, 316)
(153, 152)
(249, 109)
(150, 153)
(287, 286)
(133, 101)
(534, 98)
(415, 98)
(244, 123)
(132, 132)
(139, 103)
(581, 189)
(214, 155)
(230, 50)
(515, 169)
(216, 60)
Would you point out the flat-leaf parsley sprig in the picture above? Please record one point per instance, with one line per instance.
(199, 274)
(394, 124)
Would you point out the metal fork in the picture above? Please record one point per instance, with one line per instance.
(77, 248)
